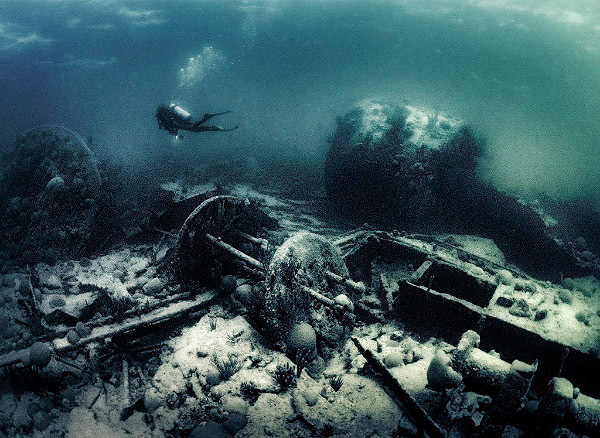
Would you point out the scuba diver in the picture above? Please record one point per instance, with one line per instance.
(174, 118)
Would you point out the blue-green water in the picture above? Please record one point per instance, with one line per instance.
(525, 74)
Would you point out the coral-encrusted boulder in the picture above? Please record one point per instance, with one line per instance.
(408, 168)
(49, 190)
(280, 303)
(398, 160)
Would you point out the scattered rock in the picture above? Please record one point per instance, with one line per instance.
(504, 277)
(411, 357)
(139, 266)
(244, 293)
(73, 337)
(407, 428)
(235, 404)
(212, 376)
(228, 284)
(301, 337)
(50, 281)
(393, 359)
(42, 421)
(565, 295)
(46, 404)
(475, 270)
(81, 306)
(57, 301)
(216, 414)
(40, 354)
(531, 406)
(529, 287)
(520, 308)
(235, 422)
(583, 316)
(344, 301)
(106, 283)
(56, 184)
(210, 429)
(440, 374)
(153, 399)
(154, 286)
(21, 418)
(467, 404)
(83, 330)
(540, 315)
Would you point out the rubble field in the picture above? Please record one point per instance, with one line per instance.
(113, 345)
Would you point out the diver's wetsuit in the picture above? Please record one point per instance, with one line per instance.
(172, 122)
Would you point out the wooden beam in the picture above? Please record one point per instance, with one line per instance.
(235, 252)
(171, 313)
(357, 287)
(424, 421)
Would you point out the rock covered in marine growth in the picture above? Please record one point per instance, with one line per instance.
(40, 354)
(397, 158)
(440, 374)
(301, 337)
(416, 169)
(210, 429)
(49, 192)
(228, 284)
(83, 330)
(302, 260)
(154, 286)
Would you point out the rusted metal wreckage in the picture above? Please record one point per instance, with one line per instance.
(429, 284)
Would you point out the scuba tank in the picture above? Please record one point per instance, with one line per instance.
(180, 112)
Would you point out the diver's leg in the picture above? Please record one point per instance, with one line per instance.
(213, 128)
(209, 116)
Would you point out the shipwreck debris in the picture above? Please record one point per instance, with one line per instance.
(299, 287)
(168, 315)
(328, 286)
(303, 269)
(423, 167)
(422, 418)
(220, 224)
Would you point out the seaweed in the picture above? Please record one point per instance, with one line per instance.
(249, 391)
(228, 367)
(336, 382)
(285, 376)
